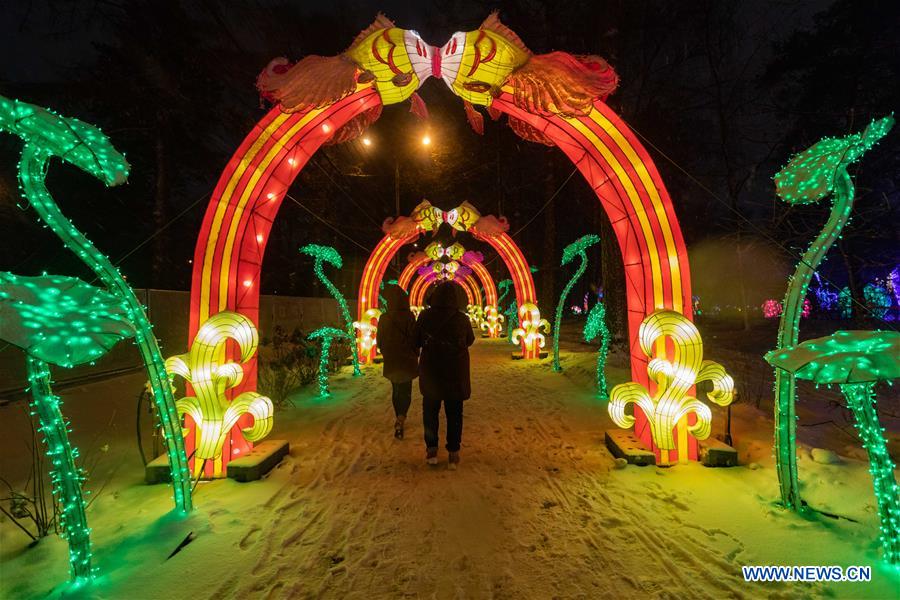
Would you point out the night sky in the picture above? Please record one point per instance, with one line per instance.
(720, 93)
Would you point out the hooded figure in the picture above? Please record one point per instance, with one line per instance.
(444, 334)
(395, 337)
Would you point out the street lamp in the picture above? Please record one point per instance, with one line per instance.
(426, 140)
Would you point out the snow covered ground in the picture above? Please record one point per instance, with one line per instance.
(536, 510)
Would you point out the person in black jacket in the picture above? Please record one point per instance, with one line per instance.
(395, 338)
(444, 334)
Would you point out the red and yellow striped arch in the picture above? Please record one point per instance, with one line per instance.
(235, 230)
(373, 273)
(239, 217)
(632, 193)
(419, 286)
(487, 282)
(473, 291)
(515, 261)
(411, 269)
(422, 283)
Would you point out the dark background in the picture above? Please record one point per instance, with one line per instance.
(721, 93)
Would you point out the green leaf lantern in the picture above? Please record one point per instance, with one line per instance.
(60, 320)
(856, 361)
(65, 322)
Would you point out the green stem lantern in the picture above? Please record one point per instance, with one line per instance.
(861, 400)
(577, 248)
(810, 176)
(327, 254)
(595, 327)
(326, 334)
(857, 360)
(65, 476)
(86, 147)
(512, 319)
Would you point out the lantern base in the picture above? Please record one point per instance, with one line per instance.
(622, 443)
(259, 461)
(158, 471)
(714, 453)
(518, 355)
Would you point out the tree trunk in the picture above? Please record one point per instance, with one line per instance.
(613, 273)
(742, 287)
(160, 205)
(550, 257)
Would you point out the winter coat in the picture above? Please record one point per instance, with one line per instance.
(444, 334)
(395, 337)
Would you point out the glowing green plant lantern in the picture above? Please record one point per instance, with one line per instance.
(512, 320)
(46, 135)
(210, 375)
(65, 322)
(857, 360)
(327, 254)
(810, 176)
(845, 303)
(578, 248)
(877, 298)
(504, 286)
(326, 334)
(595, 327)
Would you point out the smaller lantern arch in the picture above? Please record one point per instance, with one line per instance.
(425, 217)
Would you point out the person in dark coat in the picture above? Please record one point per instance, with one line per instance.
(395, 338)
(444, 334)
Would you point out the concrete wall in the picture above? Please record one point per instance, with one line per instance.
(168, 311)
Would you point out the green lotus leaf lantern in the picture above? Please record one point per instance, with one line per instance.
(60, 320)
(326, 335)
(857, 360)
(327, 254)
(811, 175)
(65, 322)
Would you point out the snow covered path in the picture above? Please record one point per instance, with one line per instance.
(536, 510)
(532, 511)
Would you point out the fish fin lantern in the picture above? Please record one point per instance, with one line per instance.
(312, 82)
(561, 83)
(529, 133)
(491, 226)
(399, 227)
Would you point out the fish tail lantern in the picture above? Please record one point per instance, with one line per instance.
(674, 379)
(368, 330)
(205, 367)
(531, 330)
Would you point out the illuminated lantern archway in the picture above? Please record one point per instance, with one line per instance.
(373, 274)
(487, 67)
(474, 290)
(422, 283)
(473, 260)
(415, 261)
(419, 287)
